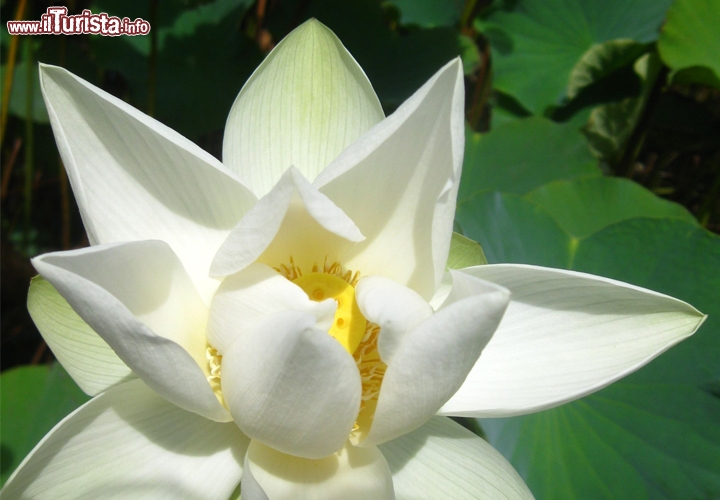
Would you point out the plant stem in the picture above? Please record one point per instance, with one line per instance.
(29, 170)
(637, 138)
(9, 72)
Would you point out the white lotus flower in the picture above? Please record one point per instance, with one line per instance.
(200, 314)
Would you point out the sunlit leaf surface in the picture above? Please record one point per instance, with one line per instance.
(689, 44)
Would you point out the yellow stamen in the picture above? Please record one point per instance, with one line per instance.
(372, 371)
(214, 360)
(371, 367)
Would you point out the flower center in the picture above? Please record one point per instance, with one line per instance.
(357, 335)
(350, 328)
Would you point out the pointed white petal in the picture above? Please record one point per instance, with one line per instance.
(566, 334)
(136, 179)
(306, 102)
(433, 360)
(395, 308)
(83, 353)
(293, 220)
(350, 474)
(292, 386)
(256, 292)
(442, 459)
(140, 300)
(129, 443)
(399, 184)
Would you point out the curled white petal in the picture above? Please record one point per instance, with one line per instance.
(292, 386)
(293, 220)
(393, 307)
(253, 294)
(432, 361)
(139, 299)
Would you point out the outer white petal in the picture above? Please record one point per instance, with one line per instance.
(129, 443)
(566, 334)
(399, 184)
(253, 294)
(140, 300)
(136, 179)
(395, 308)
(432, 361)
(350, 474)
(293, 220)
(292, 386)
(444, 460)
(304, 104)
(88, 359)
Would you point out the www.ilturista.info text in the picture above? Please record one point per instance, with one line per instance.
(56, 21)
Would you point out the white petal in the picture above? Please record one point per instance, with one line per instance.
(292, 386)
(140, 300)
(293, 220)
(399, 183)
(566, 334)
(395, 308)
(129, 443)
(442, 459)
(136, 179)
(256, 292)
(350, 474)
(306, 102)
(433, 360)
(88, 359)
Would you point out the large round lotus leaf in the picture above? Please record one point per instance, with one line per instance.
(489, 218)
(537, 44)
(523, 154)
(690, 41)
(584, 206)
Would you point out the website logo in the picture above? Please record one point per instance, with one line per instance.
(56, 21)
